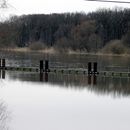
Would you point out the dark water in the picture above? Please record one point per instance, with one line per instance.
(55, 101)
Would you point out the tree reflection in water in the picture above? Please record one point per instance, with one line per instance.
(4, 116)
(115, 87)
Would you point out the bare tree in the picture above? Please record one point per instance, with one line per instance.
(4, 118)
(3, 4)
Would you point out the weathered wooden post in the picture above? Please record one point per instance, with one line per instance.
(46, 66)
(41, 70)
(95, 67)
(41, 66)
(0, 63)
(89, 68)
(3, 63)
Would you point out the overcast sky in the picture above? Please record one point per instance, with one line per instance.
(20, 7)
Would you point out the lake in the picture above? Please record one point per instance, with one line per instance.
(63, 101)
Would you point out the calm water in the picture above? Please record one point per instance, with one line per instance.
(61, 101)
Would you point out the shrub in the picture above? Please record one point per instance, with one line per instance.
(37, 46)
(63, 44)
(126, 39)
(115, 47)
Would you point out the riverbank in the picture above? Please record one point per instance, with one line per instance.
(55, 51)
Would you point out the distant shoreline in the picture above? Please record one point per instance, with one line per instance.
(54, 51)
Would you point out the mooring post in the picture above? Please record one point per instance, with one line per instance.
(46, 77)
(95, 67)
(46, 66)
(41, 66)
(0, 63)
(3, 63)
(89, 68)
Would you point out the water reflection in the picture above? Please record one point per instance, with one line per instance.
(4, 116)
(2, 74)
(97, 84)
(92, 79)
(72, 61)
(43, 77)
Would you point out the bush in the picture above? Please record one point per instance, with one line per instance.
(126, 39)
(37, 46)
(115, 47)
(63, 44)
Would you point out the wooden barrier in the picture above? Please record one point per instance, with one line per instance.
(44, 68)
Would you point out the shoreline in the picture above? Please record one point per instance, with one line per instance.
(54, 51)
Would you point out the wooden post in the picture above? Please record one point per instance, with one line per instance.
(95, 67)
(89, 68)
(41, 66)
(46, 66)
(0, 63)
(3, 63)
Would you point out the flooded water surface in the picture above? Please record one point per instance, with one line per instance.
(63, 101)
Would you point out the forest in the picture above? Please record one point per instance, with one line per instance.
(104, 30)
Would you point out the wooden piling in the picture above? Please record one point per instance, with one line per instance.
(3, 63)
(89, 68)
(46, 66)
(95, 67)
(41, 66)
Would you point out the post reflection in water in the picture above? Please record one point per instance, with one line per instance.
(44, 77)
(2, 74)
(98, 84)
(92, 79)
(41, 77)
(4, 116)
(89, 79)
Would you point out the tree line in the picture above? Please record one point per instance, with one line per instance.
(76, 31)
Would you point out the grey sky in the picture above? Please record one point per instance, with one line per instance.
(56, 6)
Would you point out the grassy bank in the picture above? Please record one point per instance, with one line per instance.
(68, 51)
